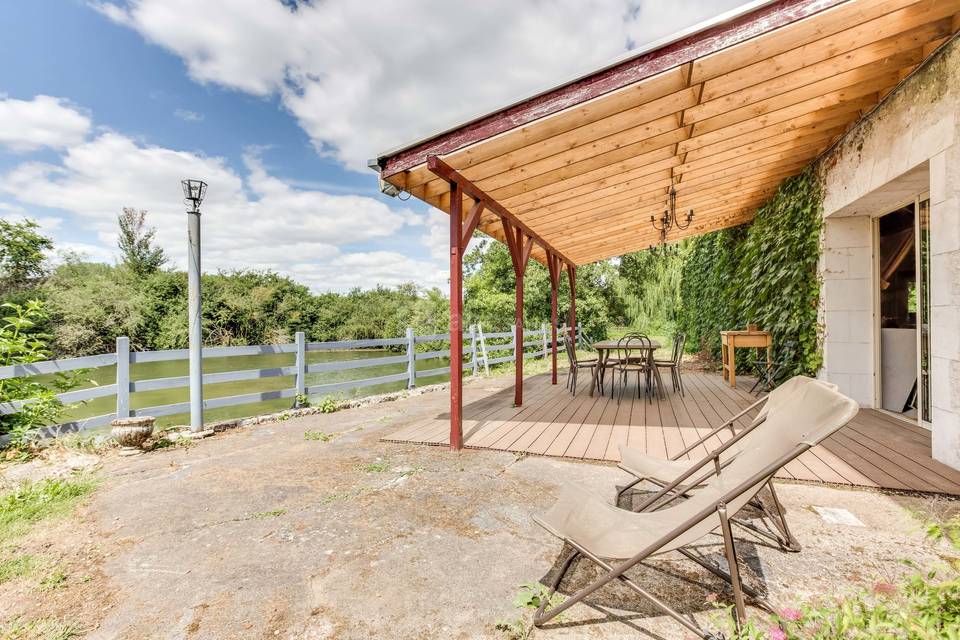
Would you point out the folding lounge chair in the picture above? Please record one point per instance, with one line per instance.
(617, 540)
(660, 472)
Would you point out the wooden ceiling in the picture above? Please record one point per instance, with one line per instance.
(724, 127)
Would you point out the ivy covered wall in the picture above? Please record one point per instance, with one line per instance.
(764, 272)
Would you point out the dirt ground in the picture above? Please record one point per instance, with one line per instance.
(271, 532)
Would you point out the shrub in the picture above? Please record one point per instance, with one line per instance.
(22, 343)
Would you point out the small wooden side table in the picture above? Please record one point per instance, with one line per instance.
(730, 341)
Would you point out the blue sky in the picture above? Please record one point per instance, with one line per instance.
(109, 104)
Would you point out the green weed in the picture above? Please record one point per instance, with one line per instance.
(53, 580)
(318, 436)
(31, 503)
(18, 566)
(376, 467)
(42, 629)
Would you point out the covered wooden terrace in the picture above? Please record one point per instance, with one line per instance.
(721, 113)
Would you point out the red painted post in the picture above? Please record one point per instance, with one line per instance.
(553, 329)
(553, 266)
(518, 336)
(456, 319)
(572, 276)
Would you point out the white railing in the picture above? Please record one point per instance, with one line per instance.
(476, 348)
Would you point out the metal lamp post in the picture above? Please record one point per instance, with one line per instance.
(193, 193)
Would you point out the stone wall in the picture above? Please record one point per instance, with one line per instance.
(909, 145)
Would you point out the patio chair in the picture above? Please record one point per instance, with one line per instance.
(617, 540)
(629, 362)
(674, 363)
(575, 364)
(660, 472)
(769, 372)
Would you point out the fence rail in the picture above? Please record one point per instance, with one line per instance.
(476, 352)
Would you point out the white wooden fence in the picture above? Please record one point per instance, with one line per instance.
(476, 349)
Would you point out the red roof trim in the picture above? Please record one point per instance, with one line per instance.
(711, 40)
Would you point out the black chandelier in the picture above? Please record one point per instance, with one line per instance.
(669, 218)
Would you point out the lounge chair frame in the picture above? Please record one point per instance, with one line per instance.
(774, 516)
(616, 572)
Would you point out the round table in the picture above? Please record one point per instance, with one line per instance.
(604, 347)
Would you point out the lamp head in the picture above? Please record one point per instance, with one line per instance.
(193, 193)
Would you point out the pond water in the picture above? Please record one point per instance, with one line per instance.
(150, 370)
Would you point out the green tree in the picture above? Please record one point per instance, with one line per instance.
(22, 256)
(136, 242)
(22, 342)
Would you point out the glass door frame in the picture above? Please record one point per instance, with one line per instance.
(922, 293)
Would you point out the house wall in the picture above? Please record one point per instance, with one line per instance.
(909, 145)
(847, 299)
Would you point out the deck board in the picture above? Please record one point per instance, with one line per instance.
(875, 450)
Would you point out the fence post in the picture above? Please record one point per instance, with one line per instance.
(123, 377)
(483, 350)
(543, 327)
(473, 349)
(517, 348)
(301, 340)
(411, 359)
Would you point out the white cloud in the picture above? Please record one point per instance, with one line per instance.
(45, 121)
(382, 267)
(187, 115)
(362, 77)
(257, 221)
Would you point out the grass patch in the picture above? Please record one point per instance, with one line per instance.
(43, 629)
(276, 513)
(376, 467)
(53, 580)
(19, 566)
(33, 502)
(318, 436)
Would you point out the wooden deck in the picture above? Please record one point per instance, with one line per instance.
(874, 450)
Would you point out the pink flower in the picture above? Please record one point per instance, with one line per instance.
(884, 589)
(776, 633)
(712, 597)
(791, 614)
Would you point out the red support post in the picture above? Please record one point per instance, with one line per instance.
(456, 318)
(520, 245)
(572, 276)
(553, 266)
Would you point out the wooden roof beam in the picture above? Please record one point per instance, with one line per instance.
(450, 174)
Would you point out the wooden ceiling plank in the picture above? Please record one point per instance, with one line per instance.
(525, 203)
(805, 98)
(643, 92)
(830, 75)
(618, 154)
(792, 117)
(798, 34)
(623, 226)
(778, 134)
(895, 23)
(734, 186)
(740, 165)
(775, 144)
(624, 124)
(566, 178)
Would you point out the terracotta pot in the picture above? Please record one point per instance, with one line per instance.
(131, 433)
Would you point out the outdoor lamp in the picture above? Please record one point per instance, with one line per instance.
(193, 193)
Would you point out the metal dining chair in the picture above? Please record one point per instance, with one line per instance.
(769, 373)
(575, 364)
(628, 362)
(674, 363)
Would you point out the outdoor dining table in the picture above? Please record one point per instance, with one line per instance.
(604, 347)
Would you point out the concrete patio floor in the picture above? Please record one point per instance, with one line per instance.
(263, 533)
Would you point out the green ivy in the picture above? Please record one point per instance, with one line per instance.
(764, 272)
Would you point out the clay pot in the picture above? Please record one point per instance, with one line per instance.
(131, 433)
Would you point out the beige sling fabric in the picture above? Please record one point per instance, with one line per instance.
(805, 416)
(644, 466)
